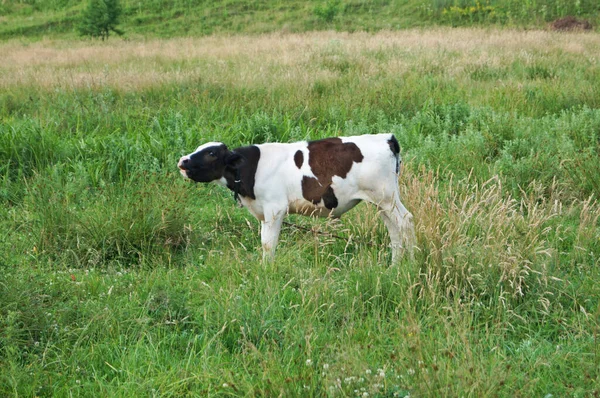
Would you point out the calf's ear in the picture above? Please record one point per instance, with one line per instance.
(234, 160)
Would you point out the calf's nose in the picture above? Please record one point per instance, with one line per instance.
(182, 163)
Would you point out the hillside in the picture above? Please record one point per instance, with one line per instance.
(35, 19)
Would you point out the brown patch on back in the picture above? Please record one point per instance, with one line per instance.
(331, 157)
(327, 158)
(299, 159)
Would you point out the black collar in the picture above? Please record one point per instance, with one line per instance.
(236, 186)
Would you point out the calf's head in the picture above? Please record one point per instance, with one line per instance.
(208, 162)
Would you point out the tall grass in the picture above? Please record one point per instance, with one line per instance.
(120, 278)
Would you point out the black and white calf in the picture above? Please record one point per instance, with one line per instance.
(324, 178)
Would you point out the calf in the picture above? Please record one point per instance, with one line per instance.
(325, 178)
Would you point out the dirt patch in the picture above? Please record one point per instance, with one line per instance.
(570, 23)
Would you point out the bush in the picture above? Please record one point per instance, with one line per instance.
(327, 11)
(100, 17)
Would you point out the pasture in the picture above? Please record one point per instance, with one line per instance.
(120, 278)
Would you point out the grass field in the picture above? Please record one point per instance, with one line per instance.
(119, 278)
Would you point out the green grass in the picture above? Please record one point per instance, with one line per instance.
(175, 18)
(119, 278)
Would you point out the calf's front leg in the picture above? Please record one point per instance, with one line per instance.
(269, 233)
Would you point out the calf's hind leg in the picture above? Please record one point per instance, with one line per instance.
(399, 223)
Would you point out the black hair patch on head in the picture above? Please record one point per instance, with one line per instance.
(207, 164)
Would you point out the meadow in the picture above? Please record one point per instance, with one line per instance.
(120, 278)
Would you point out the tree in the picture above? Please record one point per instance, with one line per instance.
(100, 17)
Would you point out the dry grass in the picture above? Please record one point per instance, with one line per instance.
(289, 59)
